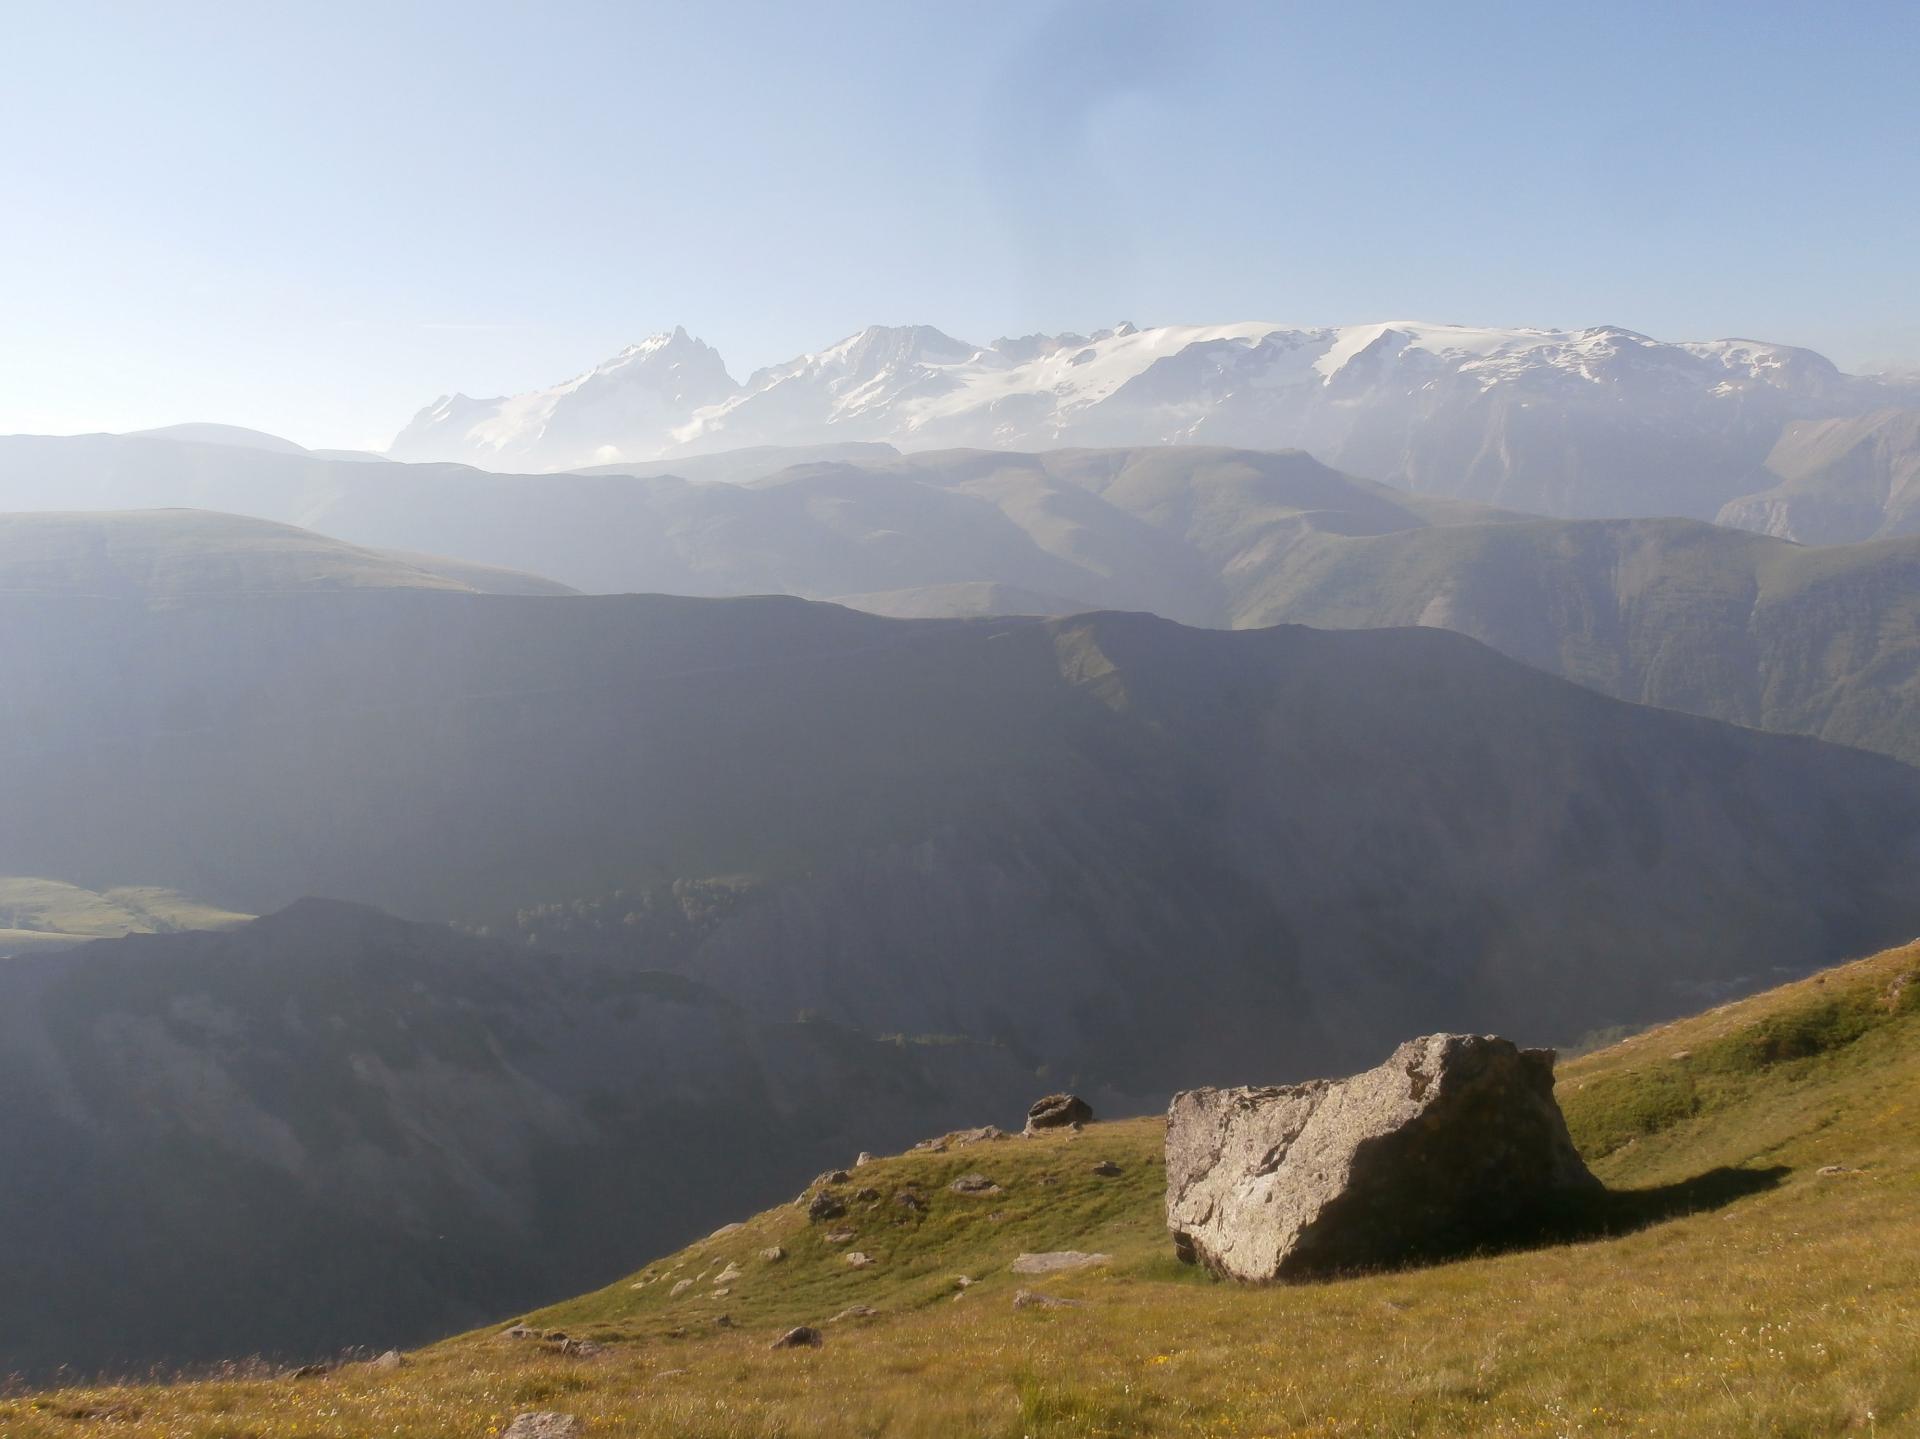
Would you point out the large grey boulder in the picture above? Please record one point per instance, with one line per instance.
(1453, 1141)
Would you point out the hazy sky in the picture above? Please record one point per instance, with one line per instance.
(313, 219)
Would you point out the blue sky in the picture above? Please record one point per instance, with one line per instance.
(313, 219)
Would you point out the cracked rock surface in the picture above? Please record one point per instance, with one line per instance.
(1453, 1141)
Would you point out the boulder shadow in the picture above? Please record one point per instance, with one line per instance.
(1583, 1218)
(1611, 1213)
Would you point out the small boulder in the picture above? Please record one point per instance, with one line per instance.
(864, 1158)
(728, 1275)
(839, 1236)
(799, 1337)
(858, 1260)
(910, 1201)
(773, 1254)
(543, 1424)
(392, 1359)
(1452, 1142)
(1107, 1169)
(826, 1205)
(724, 1230)
(974, 1184)
(866, 1196)
(680, 1288)
(857, 1311)
(1057, 1111)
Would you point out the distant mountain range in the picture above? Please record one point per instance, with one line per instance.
(1717, 621)
(1582, 423)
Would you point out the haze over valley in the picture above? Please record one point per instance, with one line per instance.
(567, 876)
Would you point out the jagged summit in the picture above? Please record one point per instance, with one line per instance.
(1532, 418)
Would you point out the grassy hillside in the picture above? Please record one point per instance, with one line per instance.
(1811, 640)
(40, 914)
(1753, 1272)
(179, 554)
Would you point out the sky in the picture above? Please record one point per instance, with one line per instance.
(314, 219)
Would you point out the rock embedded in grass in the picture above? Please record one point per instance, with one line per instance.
(1057, 1261)
(826, 1205)
(1107, 1169)
(1057, 1111)
(974, 1184)
(801, 1336)
(1453, 1142)
(1031, 1299)
(543, 1424)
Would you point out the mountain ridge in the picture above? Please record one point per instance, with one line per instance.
(1558, 421)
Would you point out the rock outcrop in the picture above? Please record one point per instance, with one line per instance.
(1058, 1111)
(1453, 1141)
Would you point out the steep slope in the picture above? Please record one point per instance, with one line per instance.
(1595, 422)
(1839, 481)
(172, 555)
(1752, 1271)
(1141, 854)
(1667, 612)
(328, 1127)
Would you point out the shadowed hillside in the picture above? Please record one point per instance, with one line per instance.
(423, 1128)
(1142, 854)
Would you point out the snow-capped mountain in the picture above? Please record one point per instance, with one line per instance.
(619, 410)
(1600, 421)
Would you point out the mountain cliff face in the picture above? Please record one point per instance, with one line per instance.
(1590, 422)
(329, 1127)
(1140, 854)
(1839, 480)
